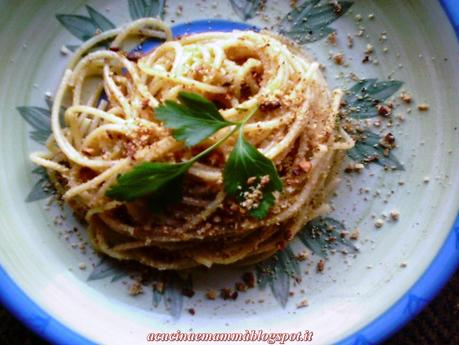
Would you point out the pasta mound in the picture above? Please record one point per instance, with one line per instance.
(110, 127)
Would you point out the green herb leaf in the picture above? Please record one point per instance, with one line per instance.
(321, 235)
(146, 8)
(246, 9)
(41, 189)
(193, 119)
(99, 19)
(367, 149)
(245, 162)
(277, 272)
(146, 179)
(170, 193)
(107, 267)
(309, 21)
(365, 95)
(79, 26)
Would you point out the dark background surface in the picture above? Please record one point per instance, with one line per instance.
(437, 324)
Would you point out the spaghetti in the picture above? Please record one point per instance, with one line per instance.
(110, 127)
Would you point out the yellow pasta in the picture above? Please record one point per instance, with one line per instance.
(295, 126)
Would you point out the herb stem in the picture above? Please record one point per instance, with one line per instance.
(214, 146)
(248, 116)
(238, 125)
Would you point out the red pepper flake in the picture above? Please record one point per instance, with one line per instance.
(227, 293)
(388, 140)
(366, 59)
(241, 287)
(320, 265)
(135, 56)
(192, 311)
(337, 7)
(384, 110)
(249, 279)
(281, 245)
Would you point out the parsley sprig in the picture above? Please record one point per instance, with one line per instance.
(245, 163)
(247, 171)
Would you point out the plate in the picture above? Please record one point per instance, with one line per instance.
(359, 298)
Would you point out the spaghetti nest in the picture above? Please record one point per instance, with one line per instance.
(110, 126)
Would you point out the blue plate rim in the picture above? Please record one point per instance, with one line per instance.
(393, 319)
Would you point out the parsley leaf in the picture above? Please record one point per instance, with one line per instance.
(169, 194)
(246, 162)
(193, 119)
(148, 178)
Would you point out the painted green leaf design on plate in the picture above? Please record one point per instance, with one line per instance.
(323, 234)
(99, 19)
(83, 27)
(277, 271)
(171, 292)
(41, 189)
(362, 99)
(173, 295)
(308, 22)
(72, 47)
(79, 26)
(146, 8)
(39, 119)
(246, 9)
(49, 103)
(158, 292)
(108, 267)
(368, 149)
